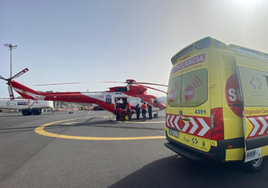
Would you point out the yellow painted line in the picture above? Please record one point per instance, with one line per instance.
(151, 122)
(40, 130)
(70, 123)
(139, 121)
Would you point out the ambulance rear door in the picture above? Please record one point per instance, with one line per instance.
(188, 115)
(252, 71)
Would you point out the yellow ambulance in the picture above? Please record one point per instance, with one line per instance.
(217, 103)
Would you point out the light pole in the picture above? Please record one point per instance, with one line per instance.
(11, 47)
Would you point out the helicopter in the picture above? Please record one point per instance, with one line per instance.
(133, 93)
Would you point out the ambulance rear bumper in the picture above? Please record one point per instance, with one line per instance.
(215, 153)
(182, 152)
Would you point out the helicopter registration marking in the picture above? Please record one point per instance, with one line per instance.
(40, 130)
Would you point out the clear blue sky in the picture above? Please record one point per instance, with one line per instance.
(100, 40)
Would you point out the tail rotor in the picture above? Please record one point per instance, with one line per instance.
(10, 91)
(20, 73)
(9, 82)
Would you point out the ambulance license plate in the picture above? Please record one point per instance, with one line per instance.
(174, 133)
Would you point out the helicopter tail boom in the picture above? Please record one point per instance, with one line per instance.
(24, 91)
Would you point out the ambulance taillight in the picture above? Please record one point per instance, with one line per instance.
(216, 124)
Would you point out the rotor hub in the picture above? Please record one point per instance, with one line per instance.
(131, 81)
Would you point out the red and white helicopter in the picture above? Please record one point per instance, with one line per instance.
(133, 93)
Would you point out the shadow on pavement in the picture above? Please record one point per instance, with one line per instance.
(176, 171)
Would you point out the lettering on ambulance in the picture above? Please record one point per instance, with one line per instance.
(189, 62)
(233, 95)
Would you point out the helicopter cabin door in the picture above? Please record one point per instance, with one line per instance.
(120, 102)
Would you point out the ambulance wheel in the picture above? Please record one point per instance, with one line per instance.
(254, 165)
(155, 115)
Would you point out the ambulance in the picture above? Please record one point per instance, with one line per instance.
(217, 104)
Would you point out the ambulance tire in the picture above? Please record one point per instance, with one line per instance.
(254, 165)
(155, 115)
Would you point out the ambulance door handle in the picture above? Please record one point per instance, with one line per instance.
(185, 119)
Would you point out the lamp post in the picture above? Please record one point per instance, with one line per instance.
(11, 47)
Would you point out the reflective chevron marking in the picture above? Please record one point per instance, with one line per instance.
(205, 127)
(260, 125)
(176, 122)
(172, 117)
(264, 125)
(256, 126)
(185, 126)
(168, 121)
(195, 126)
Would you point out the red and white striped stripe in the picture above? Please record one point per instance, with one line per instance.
(260, 126)
(197, 126)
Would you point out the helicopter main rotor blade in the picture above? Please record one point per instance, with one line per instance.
(155, 89)
(105, 82)
(69, 83)
(2, 78)
(58, 84)
(20, 73)
(152, 84)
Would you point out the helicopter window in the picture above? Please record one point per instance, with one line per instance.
(123, 89)
(155, 102)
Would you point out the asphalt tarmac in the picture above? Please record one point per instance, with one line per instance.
(91, 149)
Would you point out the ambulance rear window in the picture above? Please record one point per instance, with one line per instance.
(188, 90)
(174, 92)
